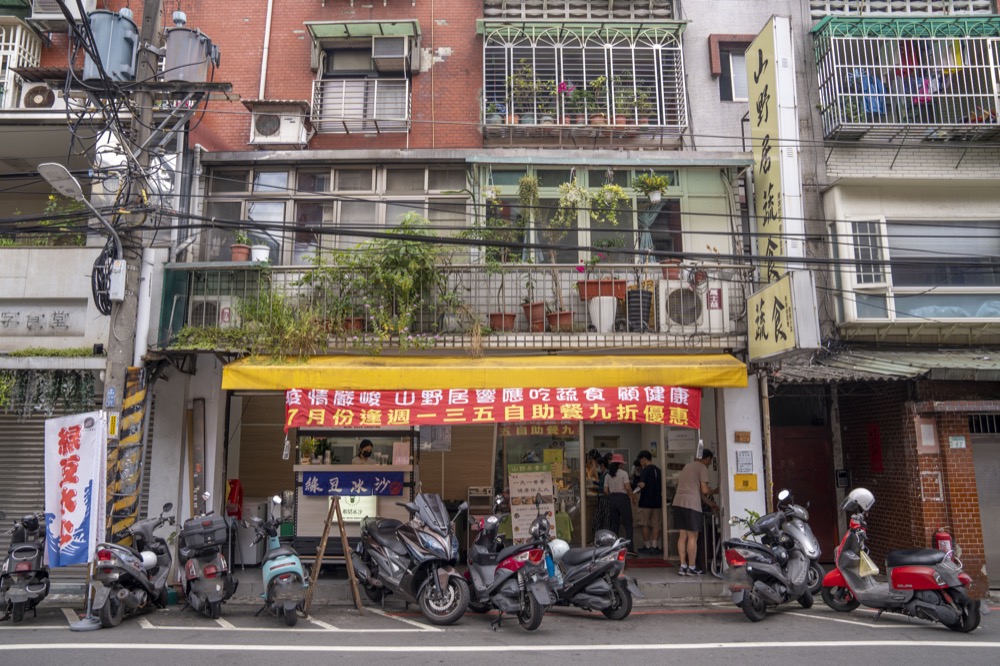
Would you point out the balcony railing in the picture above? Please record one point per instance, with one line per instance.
(19, 47)
(349, 106)
(696, 306)
(906, 80)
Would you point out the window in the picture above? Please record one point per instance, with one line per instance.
(733, 81)
(923, 270)
(567, 73)
(727, 60)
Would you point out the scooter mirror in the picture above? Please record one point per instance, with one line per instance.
(244, 524)
(168, 506)
(206, 495)
(463, 507)
(276, 500)
(538, 499)
(734, 521)
(783, 495)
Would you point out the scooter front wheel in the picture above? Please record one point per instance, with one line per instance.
(448, 606)
(17, 611)
(215, 610)
(815, 577)
(839, 599)
(290, 616)
(530, 617)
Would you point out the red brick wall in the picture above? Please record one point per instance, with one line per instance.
(917, 492)
(445, 97)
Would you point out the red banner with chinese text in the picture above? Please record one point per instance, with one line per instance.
(320, 408)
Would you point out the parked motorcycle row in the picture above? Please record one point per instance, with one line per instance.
(415, 561)
(773, 563)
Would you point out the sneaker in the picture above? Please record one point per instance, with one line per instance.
(695, 572)
(683, 571)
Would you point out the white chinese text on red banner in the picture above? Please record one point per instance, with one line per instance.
(322, 408)
(75, 451)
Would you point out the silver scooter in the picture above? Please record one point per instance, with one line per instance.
(797, 526)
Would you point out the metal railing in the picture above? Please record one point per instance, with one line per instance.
(692, 306)
(898, 88)
(347, 106)
(19, 47)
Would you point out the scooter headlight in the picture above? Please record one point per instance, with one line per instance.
(433, 545)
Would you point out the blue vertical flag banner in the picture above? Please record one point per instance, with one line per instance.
(352, 483)
(75, 451)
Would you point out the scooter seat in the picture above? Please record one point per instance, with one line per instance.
(282, 551)
(918, 556)
(576, 556)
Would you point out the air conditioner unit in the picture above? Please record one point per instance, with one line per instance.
(686, 309)
(47, 15)
(279, 128)
(211, 311)
(40, 96)
(391, 54)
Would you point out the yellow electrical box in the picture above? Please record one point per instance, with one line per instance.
(745, 482)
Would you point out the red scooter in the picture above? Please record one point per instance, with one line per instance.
(923, 582)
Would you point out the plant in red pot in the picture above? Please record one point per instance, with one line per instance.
(240, 249)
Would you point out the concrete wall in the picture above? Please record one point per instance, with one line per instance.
(42, 281)
(739, 410)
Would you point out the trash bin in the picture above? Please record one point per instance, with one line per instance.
(246, 551)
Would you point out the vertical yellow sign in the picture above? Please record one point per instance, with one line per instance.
(762, 83)
(772, 320)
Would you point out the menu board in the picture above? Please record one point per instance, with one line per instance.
(526, 482)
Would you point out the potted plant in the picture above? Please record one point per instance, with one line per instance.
(560, 321)
(494, 113)
(607, 203)
(572, 198)
(260, 252)
(307, 447)
(522, 89)
(567, 103)
(624, 99)
(534, 311)
(651, 185)
(545, 99)
(644, 108)
(592, 287)
(240, 249)
(598, 89)
(579, 100)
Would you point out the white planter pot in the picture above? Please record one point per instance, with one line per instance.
(260, 253)
(602, 311)
(654, 196)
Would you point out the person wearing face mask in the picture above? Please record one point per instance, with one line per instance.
(364, 456)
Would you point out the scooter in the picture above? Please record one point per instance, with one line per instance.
(285, 581)
(208, 582)
(127, 579)
(796, 525)
(768, 572)
(512, 579)
(414, 560)
(923, 582)
(24, 579)
(592, 578)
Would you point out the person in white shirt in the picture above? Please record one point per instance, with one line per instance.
(618, 488)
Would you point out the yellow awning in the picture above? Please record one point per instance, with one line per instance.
(370, 373)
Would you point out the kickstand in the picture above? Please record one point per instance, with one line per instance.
(260, 610)
(5, 617)
(497, 622)
(878, 614)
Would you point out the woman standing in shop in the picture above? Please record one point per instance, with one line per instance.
(619, 492)
(597, 469)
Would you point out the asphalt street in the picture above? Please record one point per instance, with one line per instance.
(692, 636)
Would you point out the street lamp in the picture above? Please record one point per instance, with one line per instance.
(67, 185)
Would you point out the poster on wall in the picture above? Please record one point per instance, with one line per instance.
(75, 485)
(435, 438)
(526, 482)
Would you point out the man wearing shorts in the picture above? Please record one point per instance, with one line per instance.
(692, 489)
(650, 504)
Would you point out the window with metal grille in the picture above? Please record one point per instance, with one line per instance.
(984, 424)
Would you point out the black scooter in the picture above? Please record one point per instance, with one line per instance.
(768, 572)
(131, 579)
(414, 560)
(208, 582)
(24, 579)
(512, 579)
(592, 578)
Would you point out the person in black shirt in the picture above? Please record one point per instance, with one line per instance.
(650, 504)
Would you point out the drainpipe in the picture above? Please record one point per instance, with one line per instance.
(143, 306)
(267, 47)
(765, 423)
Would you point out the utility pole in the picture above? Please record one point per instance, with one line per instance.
(121, 345)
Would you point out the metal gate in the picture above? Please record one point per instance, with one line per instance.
(986, 461)
(22, 487)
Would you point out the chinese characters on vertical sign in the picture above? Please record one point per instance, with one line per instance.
(74, 487)
(318, 408)
(774, 135)
(762, 82)
(772, 319)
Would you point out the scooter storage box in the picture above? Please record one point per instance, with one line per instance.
(204, 531)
